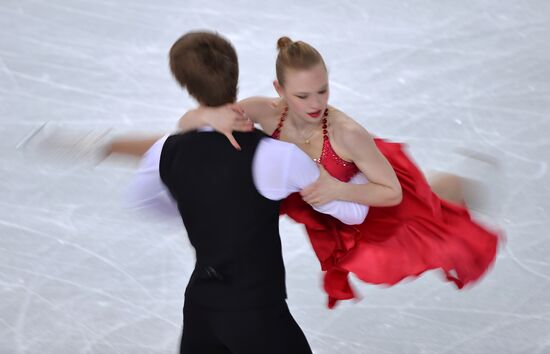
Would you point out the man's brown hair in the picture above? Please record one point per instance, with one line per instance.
(206, 65)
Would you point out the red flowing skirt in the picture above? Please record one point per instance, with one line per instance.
(422, 233)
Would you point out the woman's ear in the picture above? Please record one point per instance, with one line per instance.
(278, 88)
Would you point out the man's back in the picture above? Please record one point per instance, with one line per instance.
(233, 228)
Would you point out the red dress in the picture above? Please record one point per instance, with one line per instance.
(423, 232)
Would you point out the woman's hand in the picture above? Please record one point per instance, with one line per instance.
(225, 119)
(322, 191)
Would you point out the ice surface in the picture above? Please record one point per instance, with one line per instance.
(80, 274)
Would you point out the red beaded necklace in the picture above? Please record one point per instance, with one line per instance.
(327, 154)
(277, 132)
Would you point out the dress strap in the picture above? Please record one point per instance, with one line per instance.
(325, 125)
(277, 132)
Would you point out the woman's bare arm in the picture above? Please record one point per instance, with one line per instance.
(130, 145)
(383, 188)
(231, 117)
(225, 119)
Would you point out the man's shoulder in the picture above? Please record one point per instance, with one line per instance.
(191, 137)
(254, 135)
(181, 137)
(178, 142)
(197, 135)
(195, 141)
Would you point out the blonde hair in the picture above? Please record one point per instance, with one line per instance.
(295, 55)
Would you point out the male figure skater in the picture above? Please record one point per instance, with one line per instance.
(229, 202)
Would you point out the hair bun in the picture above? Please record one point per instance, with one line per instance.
(283, 42)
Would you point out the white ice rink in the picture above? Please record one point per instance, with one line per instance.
(80, 274)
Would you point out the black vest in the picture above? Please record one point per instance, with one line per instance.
(233, 228)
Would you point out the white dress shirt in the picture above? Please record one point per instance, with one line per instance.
(279, 169)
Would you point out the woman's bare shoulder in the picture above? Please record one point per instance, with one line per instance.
(259, 102)
(260, 108)
(353, 140)
(346, 129)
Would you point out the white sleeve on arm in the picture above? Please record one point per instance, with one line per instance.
(271, 168)
(347, 212)
(146, 190)
(281, 168)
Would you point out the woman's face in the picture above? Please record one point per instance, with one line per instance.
(306, 92)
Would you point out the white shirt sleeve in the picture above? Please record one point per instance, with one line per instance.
(281, 168)
(146, 190)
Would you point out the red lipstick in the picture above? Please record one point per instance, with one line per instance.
(315, 114)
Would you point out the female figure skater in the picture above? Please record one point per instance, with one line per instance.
(409, 228)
